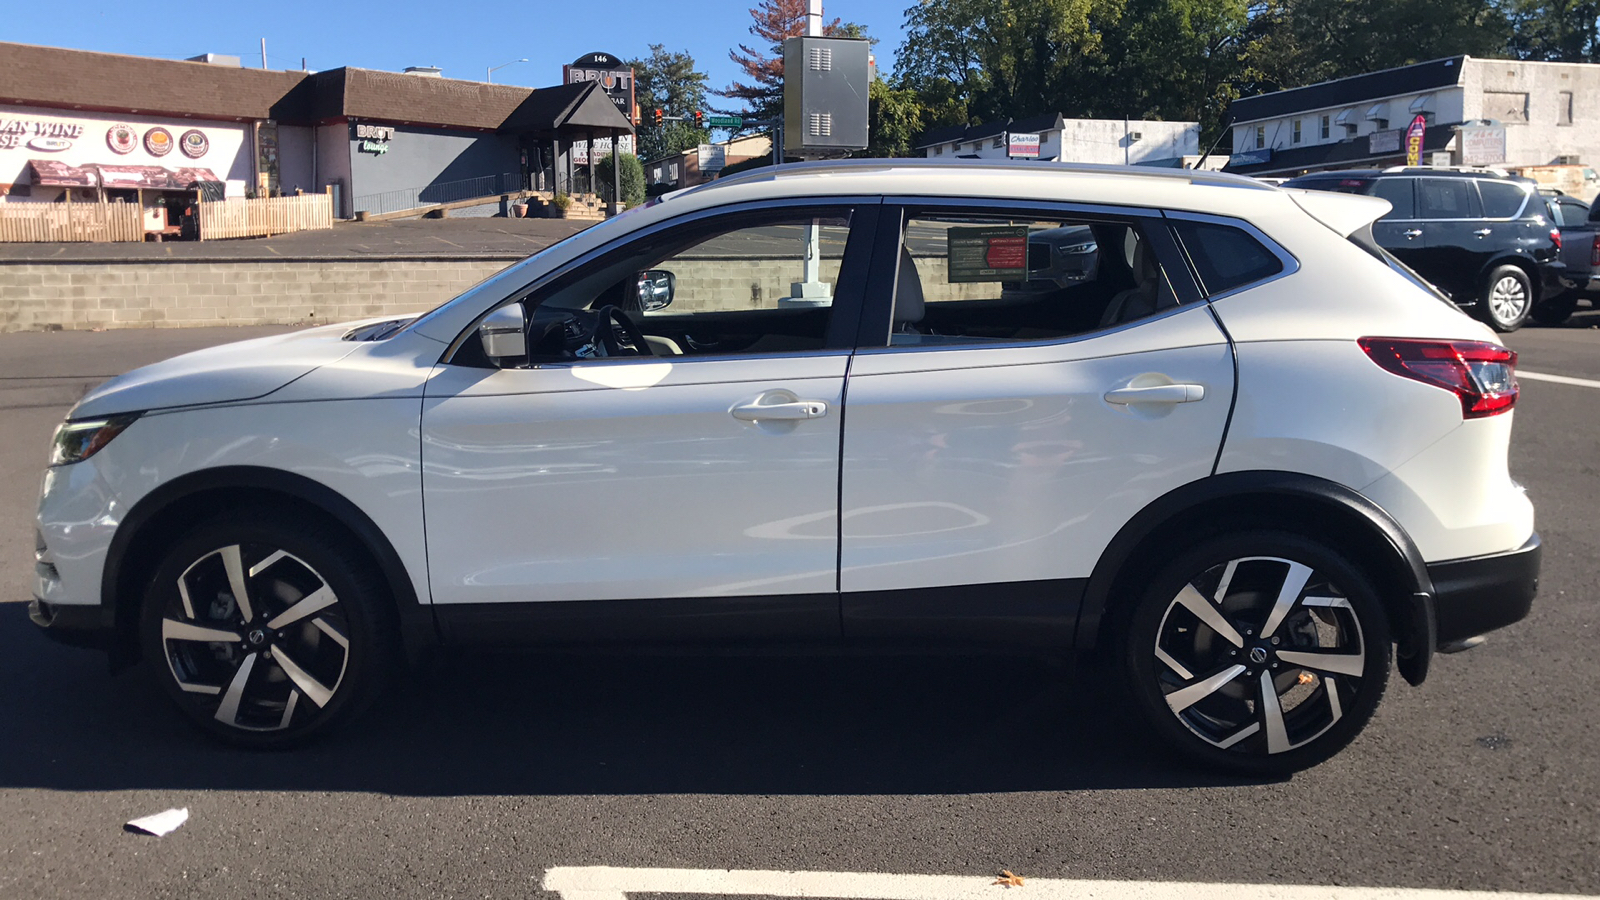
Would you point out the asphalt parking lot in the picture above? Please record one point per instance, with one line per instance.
(476, 778)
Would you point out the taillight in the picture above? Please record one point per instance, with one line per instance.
(1555, 237)
(1594, 255)
(1482, 375)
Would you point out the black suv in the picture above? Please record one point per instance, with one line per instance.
(1484, 239)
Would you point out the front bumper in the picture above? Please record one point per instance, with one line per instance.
(1477, 595)
(75, 626)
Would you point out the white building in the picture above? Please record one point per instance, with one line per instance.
(1116, 141)
(1478, 112)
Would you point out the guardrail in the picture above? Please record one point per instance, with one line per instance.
(440, 192)
(265, 216)
(75, 222)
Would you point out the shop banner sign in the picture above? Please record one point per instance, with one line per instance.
(615, 77)
(1414, 137)
(1483, 145)
(1384, 141)
(1022, 146)
(713, 157)
(987, 253)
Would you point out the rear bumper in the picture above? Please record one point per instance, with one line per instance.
(75, 626)
(1477, 595)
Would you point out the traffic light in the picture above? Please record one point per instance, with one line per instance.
(699, 119)
(660, 117)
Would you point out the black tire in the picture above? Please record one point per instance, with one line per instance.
(316, 606)
(1506, 299)
(1225, 720)
(1554, 311)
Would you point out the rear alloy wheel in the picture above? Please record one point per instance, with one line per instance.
(1261, 653)
(264, 632)
(1507, 299)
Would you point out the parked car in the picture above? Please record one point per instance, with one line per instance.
(1058, 258)
(1580, 257)
(1481, 237)
(754, 412)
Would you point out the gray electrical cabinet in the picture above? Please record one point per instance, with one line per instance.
(824, 94)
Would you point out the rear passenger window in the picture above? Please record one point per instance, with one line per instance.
(1226, 257)
(1501, 199)
(1398, 192)
(1444, 198)
(976, 279)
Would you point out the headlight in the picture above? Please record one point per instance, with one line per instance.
(77, 441)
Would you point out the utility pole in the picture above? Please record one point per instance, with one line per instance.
(810, 288)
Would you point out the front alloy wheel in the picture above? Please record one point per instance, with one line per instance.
(262, 631)
(1260, 653)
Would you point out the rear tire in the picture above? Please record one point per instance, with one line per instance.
(1261, 652)
(1506, 299)
(308, 647)
(1555, 310)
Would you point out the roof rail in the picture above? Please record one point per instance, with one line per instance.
(1471, 170)
(1194, 176)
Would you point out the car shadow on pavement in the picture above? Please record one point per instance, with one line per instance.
(516, 724)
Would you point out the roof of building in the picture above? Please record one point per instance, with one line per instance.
(81, 79)
(1423, 76)
(86, 80)
(956, 134)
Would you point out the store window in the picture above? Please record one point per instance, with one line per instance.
(1324, 133)
(1297, 131)
(1261, 137)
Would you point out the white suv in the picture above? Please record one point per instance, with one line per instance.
(1247, 454)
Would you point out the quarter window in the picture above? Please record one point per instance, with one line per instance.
(1444, 198)
(965, 279)
(1226, 257)
(1501, 199)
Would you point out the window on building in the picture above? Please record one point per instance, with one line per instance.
(1261, 136)
(999, 142)
(1296, 131)
(1324, 134)
(939, 150)
(1510, 107)
(1564, 108)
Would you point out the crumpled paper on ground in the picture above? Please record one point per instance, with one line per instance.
(161, 824)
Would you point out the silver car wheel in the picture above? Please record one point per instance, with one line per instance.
(256, 636)
(1260, 655)
(1508, 299)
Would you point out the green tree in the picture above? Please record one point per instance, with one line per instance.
(668, 81)
(632, 178)
(1178, 60)
(896, 117)
(1554, 30)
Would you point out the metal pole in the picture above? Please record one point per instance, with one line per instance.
(616, 175)
(263, 53)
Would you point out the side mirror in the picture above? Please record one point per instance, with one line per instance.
(504, 332)
(655, 289)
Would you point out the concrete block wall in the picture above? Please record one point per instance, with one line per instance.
(37, 296)
(75, 296)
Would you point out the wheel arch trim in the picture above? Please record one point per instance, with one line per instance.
(1407, 593)
(417, 626)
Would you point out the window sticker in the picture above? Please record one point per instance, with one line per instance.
(988, 253)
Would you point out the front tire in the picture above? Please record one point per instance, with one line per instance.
(1507, 299)
(1261, 653)
(267, 629)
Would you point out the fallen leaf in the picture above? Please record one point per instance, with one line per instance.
(1009, 879)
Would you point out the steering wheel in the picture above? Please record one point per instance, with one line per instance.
(617, 334)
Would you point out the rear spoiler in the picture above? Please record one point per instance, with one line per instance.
(1344, 213)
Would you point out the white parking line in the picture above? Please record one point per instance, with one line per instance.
(1558, 379)
(607, 883)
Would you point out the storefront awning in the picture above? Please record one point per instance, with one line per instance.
(55, 173)
(157, 178)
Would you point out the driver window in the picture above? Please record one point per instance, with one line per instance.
(752, 283)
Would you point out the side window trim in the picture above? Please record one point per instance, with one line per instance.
(1291, 265)
(859, 205)
(878, 311)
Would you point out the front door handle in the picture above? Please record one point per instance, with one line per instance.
(1410, 233)
(1157, 393)
(780, 412)
(1483, 232)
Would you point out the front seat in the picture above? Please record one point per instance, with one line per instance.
(1150, 292)
(908, 302)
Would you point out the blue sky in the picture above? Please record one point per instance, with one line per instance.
(460, 36)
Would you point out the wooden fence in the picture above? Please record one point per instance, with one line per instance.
(97, 222)
(267, 216)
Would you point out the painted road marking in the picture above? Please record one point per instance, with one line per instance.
(607, 883)
(1558, 379)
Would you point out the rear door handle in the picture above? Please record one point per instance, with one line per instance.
(1157, 393)
(780, 412)
(1483, 232)
(1412, 233)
